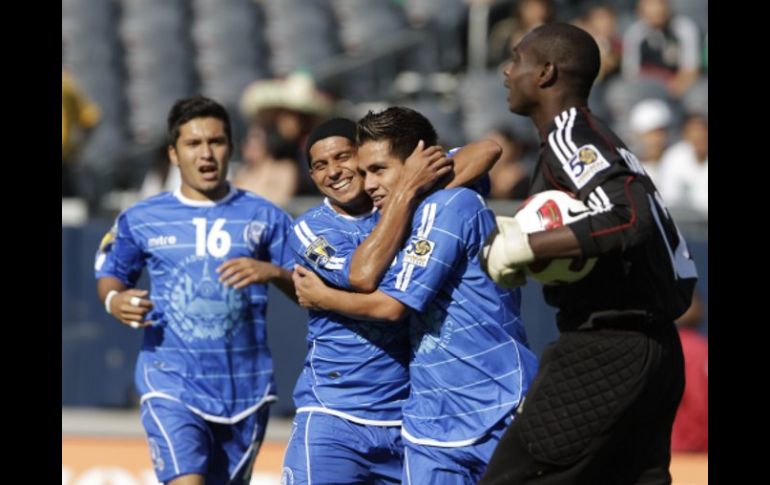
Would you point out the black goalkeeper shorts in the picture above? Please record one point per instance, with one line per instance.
(599, 411)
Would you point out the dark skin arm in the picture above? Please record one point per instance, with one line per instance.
(424, 168)
(312, 293)
(557, 243)
(473, 161)
(372, 258)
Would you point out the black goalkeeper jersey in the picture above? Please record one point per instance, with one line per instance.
(643, 261)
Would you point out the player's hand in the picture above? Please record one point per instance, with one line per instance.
(309, 288)
(505, 253)
(130, 307)
(424, 168)
(241, 272)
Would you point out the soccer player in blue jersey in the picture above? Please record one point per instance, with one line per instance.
(355, 379)
(204, 372)
(470, 365)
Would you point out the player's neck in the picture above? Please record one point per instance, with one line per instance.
(553, 107)
(212, 195)
(355, 208)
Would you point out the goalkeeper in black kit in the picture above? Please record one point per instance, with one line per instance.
(601, 408)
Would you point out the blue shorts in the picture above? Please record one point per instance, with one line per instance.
(462, 465)
(183, 443)
(326, 449)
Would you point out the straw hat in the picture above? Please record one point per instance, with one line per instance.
(297, 92)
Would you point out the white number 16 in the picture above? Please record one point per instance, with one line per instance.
(218, 241)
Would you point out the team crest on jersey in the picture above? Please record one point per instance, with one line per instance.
(252, 234)
(199, 306)
(418, 252)
(157, 459)
(584, 164)
(320, 252)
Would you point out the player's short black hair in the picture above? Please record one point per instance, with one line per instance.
(572, 50)
(402, 127)
(193, 107)
(334, 127)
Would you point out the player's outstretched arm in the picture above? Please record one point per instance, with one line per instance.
(314, 294)
(241, 272)
(128, 305)
(473, 161)
(422, 170)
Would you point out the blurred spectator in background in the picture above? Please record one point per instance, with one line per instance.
(691, 432)
(509, 177)
(268, 167)
(79, 116)
(663, 47)
(290, 107)
(161, 176)
(684, 168)
(525, 16)
(650, 121)
(601, 22)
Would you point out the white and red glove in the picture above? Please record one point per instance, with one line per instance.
(506, 252)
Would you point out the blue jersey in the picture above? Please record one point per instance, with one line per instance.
(207, 346)
(471, 364)
(356, 370)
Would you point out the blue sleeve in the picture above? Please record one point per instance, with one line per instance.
(445, 237)
(119, 256)
(276, 240)
(326, 252)
(428, 259)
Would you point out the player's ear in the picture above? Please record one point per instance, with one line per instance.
(172, 155)
(547, 76)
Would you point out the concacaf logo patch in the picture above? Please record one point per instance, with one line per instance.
(320, 251)
(252, 233)
(418, 252)
(105, 246)
(584, 164)
(106, 243)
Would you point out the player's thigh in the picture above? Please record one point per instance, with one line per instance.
(639, 449)
(430, 465)
(452, 465)
(324, 449)
(386, 458)
(188, 480)
(236, 446)
(639, 455)
(179, 441)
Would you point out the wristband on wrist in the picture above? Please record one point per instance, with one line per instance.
(107, 300)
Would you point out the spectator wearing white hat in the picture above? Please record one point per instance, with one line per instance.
(649, 121)
(684, 168)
